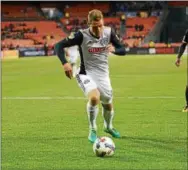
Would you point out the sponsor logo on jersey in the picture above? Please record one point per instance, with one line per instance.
(96, 49)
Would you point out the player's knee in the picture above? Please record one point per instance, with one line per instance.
(94, 100)
(94, 97)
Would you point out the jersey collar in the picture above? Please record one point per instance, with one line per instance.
(93, 35)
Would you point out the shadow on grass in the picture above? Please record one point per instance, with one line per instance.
(166, 141)
(177, 145)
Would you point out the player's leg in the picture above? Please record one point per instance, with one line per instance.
(107, 106)
(186, 98)
(108, 114)
(92, 111)
(89, 88)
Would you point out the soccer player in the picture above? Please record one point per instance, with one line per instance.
(95, 43)
(178, 61)
(73, 54)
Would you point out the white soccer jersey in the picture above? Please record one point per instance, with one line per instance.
(95, 56)
(94, 71)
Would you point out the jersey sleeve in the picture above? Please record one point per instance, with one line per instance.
(185, 38)
(183, 45)
(119, 47)
(71, 40)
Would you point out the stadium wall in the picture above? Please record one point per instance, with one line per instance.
(159, 50)
(33, 52)
(9, 54)
(27, 52)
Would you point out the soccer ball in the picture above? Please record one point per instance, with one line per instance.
(103, 146)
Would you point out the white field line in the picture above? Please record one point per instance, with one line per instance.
(82, 98)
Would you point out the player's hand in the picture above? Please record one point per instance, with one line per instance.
(68, 70)
(110, 48)
(177, 63)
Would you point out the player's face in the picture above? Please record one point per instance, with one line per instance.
(96, 27)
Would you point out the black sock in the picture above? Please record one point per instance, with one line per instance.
(186, 94)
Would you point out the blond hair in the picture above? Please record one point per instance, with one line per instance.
(94, 15)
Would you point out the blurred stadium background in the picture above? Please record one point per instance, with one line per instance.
(32, 28)
(44, 124)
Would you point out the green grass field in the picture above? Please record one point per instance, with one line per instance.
(45, 127)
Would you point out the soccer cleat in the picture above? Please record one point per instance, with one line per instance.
(185, 109)
(92, 135)
(113, 132)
